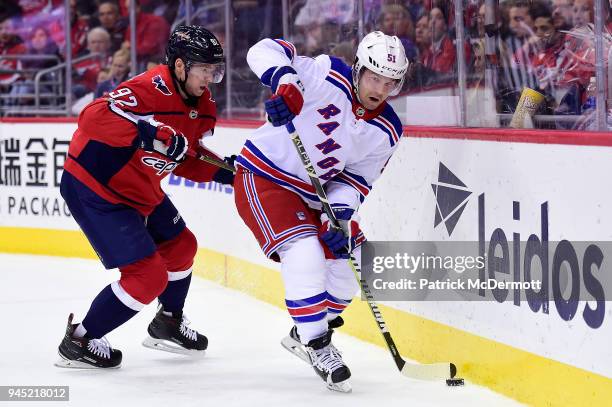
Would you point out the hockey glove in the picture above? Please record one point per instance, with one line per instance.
(288, 97)
(163, 139)
(337, 239)
(223, 176)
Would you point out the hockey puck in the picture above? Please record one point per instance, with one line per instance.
(457, 381)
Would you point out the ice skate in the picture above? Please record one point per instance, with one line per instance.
(86, 353)
(327, 362)
(172, 334)
(292, 342)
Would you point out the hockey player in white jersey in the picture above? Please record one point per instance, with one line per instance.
(349, 132)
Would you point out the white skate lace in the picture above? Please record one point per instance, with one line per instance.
(327, 358)
(186, 331)
(99, 347)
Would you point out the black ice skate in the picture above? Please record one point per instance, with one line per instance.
(292, 342)
(85, 353)
(171, 334)
(327, 362)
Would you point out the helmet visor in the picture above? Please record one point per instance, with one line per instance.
(215, 72)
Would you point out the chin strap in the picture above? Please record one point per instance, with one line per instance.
(355, 83)
(190, 100)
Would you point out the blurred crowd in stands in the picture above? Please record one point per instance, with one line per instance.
(546, 45)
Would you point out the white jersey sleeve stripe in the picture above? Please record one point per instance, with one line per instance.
(358, 182)
(336, 82)
(393, 138)
(288, 47)
(350, 183)
(267, 55)
(391, 128)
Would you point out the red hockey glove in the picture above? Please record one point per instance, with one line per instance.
(288, 98)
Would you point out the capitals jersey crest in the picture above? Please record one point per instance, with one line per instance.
(160, 85)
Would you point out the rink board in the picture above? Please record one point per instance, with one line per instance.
(535, 358)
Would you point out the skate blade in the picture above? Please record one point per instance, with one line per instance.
(75, 364)
(295, 348)
(168, 346)
(341, 387)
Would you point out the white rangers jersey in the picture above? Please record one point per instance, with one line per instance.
(348, 145)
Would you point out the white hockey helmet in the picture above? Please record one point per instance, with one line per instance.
(382, 54)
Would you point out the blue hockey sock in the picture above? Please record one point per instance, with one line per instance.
(106, 313)
(173, 297)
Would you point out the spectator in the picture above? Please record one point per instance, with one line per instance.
(418, 76)
(579, 46)
(152, 34)
(442, 57)
(422, 36)
(10, 44)
(98, 46)
(78, 33)
(478, 43)
(86, 10)
(34, 7)
(542, 54)
(521, 23)
(537, 35)
(168, 10)
(515, 73)
(316, 11)
(111, 21)
(119, 69)
(103, 75)
(563, 14)
(319, 23)
(415, 7)
(583, 13)
(9, 9)
(396, 20)
(40, 43)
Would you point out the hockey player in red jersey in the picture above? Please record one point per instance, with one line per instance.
(349, 132)
(123, 147)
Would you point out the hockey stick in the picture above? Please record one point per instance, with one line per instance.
(160, 146)
(212, 160)
(432, 371)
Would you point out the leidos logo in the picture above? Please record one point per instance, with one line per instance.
(451, 198)
(570, 272)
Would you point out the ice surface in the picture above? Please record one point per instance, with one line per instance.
(244, 365)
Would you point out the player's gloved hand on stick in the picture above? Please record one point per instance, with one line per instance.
(338, 240)
(224, 176)
(288, 97)
(163, 139)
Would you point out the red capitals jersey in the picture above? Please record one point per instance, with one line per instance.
(104, 153)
